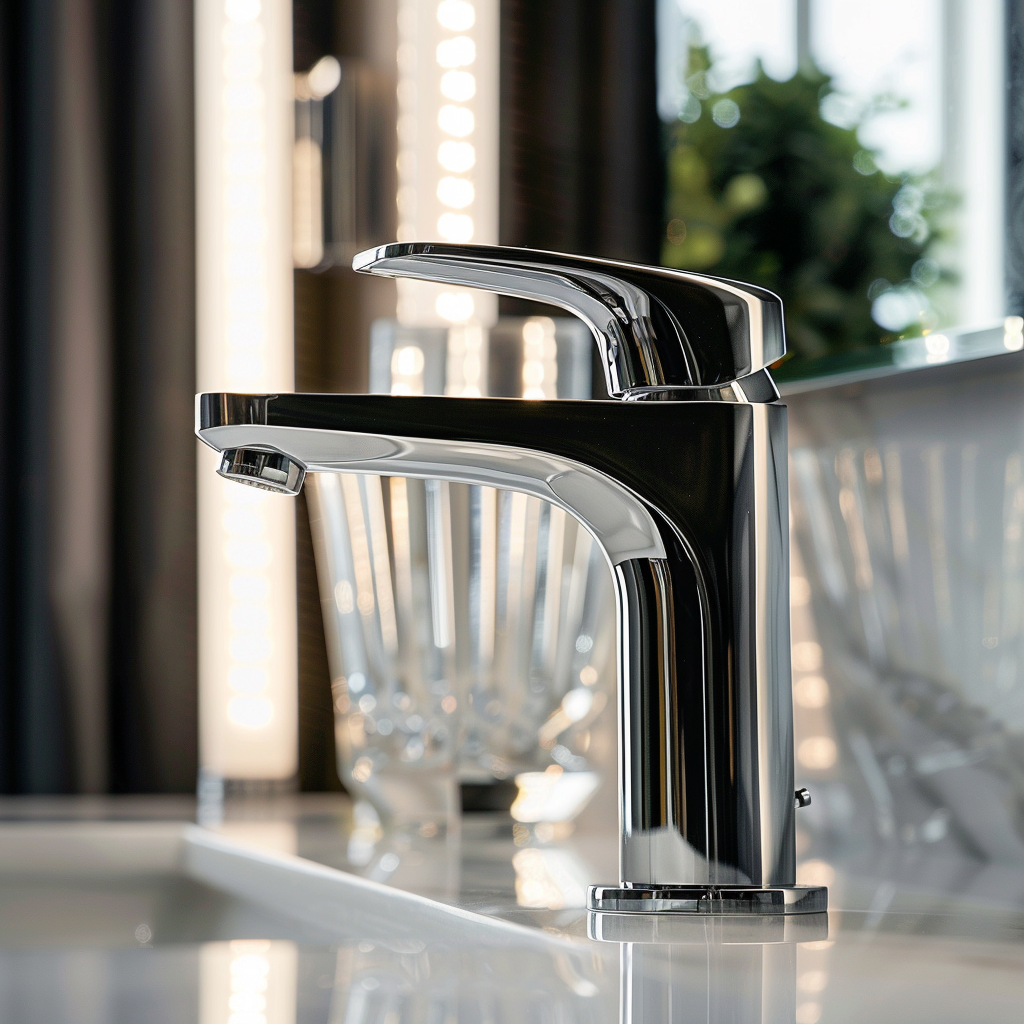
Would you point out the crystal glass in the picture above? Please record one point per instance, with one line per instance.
(469, 629)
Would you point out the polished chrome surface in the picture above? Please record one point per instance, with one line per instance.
(709, 899)
(270, 471)
(688, 500)
(657, 329)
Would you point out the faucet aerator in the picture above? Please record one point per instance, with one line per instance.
(267, 470)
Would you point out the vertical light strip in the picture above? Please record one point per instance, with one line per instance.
(447, 146)
(975, 155)
(247, 608)
(248, 981)
(540, 358)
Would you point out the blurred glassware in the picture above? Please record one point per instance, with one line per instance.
(908, 515)
(469, 629)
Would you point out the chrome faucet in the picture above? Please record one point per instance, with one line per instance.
(682, 480)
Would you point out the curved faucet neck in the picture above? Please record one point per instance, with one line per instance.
(657, 329)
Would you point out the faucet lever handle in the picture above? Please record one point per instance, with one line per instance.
(658, 330)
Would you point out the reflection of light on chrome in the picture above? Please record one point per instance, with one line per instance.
(818, 753)
(1013, 333)
(553, 795)
(937, 347)
(811, 692)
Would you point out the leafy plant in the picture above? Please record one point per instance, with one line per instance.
(762, 188)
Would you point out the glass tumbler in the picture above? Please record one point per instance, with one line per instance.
(470, 630)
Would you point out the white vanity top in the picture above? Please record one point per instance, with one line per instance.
(99, 918)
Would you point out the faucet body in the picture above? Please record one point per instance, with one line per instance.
(684, 486)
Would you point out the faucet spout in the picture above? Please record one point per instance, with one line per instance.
(688, 503)
(683, 484)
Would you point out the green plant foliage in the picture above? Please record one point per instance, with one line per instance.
(762, 188)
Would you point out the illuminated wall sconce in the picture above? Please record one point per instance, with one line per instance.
(447, 149)
(247, 600)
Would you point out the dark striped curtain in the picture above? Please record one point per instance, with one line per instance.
(581, 151)
(97, 500)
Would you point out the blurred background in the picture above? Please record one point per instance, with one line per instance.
(182, 193)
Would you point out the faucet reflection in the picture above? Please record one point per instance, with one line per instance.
(682, 483)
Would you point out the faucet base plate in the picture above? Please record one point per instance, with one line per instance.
(708, 899)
